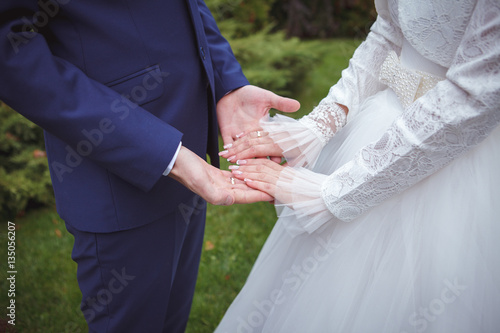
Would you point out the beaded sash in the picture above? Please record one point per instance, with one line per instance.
(408, 84)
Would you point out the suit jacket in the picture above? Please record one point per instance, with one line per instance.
(116, 85)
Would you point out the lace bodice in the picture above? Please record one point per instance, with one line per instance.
(435, 28)
(455, 115)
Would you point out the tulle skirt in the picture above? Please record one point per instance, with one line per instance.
(427, 260)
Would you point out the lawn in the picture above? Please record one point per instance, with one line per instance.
(47, 295)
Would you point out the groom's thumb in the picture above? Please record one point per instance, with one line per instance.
(285, 104)
(229, 201)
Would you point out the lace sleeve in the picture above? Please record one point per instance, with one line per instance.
(450, 119)
(447, 121)
(360, 79)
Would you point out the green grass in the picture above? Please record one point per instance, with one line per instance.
(47, 294)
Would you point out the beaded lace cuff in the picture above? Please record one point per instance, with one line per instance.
(325, 120)
(407, 84)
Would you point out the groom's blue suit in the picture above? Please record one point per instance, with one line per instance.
(117, 85)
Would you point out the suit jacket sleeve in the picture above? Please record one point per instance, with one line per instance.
(64, 101)
(227, 71)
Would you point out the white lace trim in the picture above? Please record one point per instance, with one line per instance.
(325, 120)
(299, 203)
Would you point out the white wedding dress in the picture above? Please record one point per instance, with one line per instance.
(389, 220)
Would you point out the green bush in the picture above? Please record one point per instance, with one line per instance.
(269, 59)
(320, 19)
(273, 62)
(240, 18)
(355, 20)
(24, 173)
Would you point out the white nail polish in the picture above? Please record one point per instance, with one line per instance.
(234, 167)
(229, 145)
(241, 162)
(236, 172)
(223, 152)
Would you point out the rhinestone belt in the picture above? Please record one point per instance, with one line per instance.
(408, 84)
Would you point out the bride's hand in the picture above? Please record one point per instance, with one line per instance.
(262, 175)
(255, 144)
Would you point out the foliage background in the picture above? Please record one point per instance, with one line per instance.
(24, 175)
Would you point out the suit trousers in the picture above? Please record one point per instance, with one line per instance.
(142, 279)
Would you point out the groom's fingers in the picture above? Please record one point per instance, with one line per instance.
(227, 139)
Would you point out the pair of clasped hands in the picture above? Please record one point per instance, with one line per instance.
(253, 176)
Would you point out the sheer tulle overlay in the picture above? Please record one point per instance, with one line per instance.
(426, 260)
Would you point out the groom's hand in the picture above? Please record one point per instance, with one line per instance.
(241, 110)
(215, 186)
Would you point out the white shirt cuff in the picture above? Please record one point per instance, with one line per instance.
(172, 162)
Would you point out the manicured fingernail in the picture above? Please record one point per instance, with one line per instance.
(240, 135)
(229, 145)
(231, 158)
(224, 152)
(248, 180)
(241, 162)
(234, 167)
(236, 172)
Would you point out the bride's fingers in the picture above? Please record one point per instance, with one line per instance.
(255, 133)
(265, 178)
(250, 147)
(256, 151)
(268, 188)
(248, 131)
(235, 183)
(250, 195)
(266, 175)
(257, 164)
(258, 134)
(242, 193)
(275, 159)
(257, 172)
(244, 144)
